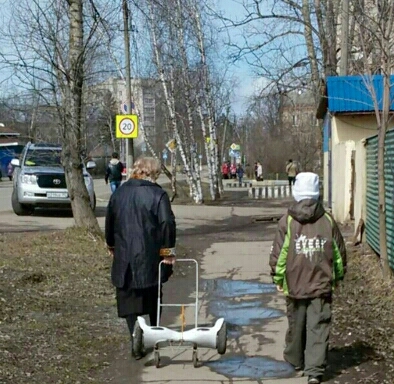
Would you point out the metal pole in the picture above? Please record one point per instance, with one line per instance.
(129, 146)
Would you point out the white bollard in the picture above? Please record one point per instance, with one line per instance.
(250, 192)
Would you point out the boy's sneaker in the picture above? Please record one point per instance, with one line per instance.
(314, 380)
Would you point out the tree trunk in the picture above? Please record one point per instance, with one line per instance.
(310, 45)
(207, 98)
(387, 272)
(72, 135)
(195, 171)
(168, 90)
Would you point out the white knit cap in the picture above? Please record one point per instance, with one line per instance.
(306, 186)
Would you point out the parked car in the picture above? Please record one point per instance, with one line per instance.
(39, 179)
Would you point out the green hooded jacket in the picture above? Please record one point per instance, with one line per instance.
(308, 255)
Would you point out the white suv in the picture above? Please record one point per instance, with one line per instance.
(39, 180)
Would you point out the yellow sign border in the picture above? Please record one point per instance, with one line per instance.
(119, 133)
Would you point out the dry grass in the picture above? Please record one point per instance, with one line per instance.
(57, 318)
(363, 314)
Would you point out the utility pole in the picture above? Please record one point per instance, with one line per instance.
(344, 38)
(129, 144)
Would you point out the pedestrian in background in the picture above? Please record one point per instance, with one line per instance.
(140, 231)
(240, 174)
(291, 170)
(114, 172)
(259, 172)
(225, 170)
(233, 171)
(307, 260)
(10, 170)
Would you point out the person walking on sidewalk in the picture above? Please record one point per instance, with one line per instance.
(307, 260)
(240, 174)
(140, 231)
(291, 170)
(114, 172)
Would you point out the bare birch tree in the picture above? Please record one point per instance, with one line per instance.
(166, 76)
(51, 51)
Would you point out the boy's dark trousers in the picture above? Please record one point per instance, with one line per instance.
(308, 333)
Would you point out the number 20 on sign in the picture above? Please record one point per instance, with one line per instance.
(126, 126)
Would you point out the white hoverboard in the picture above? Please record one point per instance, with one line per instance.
(145, 336)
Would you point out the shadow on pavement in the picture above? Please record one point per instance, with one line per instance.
(63, 213)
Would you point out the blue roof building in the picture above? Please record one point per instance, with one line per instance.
(350, 132)
(348, 111)
(353, 94)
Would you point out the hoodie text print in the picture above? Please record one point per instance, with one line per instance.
(311, 248)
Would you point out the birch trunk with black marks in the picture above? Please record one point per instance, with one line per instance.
(195, 170)
(207, 99)
(169, 97)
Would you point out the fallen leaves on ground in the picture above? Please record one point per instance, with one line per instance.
(362, 337)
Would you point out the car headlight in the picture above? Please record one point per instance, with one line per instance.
(29, 179)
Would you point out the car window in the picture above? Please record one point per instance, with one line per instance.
(43, 158)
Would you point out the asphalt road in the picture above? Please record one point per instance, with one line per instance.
(43, 220)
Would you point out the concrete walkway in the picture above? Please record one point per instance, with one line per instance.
(237, 262)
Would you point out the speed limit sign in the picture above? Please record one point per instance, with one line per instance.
(126, 126)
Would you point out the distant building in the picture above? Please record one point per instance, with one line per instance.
(300, 125)
(144, 99)
(298, 108)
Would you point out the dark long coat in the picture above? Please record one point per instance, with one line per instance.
(138, 223)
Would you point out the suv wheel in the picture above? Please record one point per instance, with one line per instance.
(20, 209)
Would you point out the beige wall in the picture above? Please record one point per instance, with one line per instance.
(354, 128)
(347, 135)
(360, 185)
(325, 177)
(341, 180)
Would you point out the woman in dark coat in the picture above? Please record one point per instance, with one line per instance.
(140, 231)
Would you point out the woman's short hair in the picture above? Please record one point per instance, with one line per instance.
(146, 167)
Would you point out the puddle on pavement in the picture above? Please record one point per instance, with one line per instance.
(241, 303)
(233, 331)
(242, 312)
(235, 288)
(227, 301)
(251, 367)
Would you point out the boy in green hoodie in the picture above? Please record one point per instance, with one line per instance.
(308, 258)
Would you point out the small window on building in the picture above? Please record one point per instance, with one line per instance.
(148, 100)
(149, 110)
(295, 120)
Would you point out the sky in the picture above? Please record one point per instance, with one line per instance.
(248, 84)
